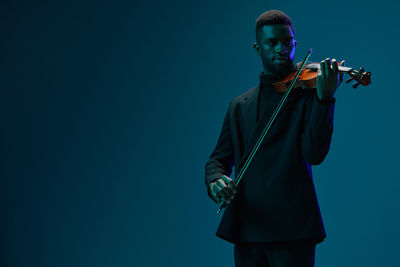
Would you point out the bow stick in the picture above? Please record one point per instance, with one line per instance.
(268, 126)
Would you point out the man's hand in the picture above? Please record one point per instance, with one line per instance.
(328, 80)
(223, 189)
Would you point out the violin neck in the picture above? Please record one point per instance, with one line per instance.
(315, 66)
(345, 69)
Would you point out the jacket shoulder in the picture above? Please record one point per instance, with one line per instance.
(245, 96)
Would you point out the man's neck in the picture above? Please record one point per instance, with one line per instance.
(276, 76)
(273, 76)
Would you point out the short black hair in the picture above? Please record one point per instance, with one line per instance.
(271, 17)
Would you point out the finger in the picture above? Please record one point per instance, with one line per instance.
(216, 197)
(328, 68)
(220, 197)
(229, 197)
(230, 182)
(335, 68)
(229, 193)
(322, 69)
(224, 190)
(215, 193)
(335, 72)
(226, 187)
(221, 183)
(341, 73)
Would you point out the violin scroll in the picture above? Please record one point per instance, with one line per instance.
(360, 76)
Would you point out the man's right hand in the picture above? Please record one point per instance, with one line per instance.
(223, 189)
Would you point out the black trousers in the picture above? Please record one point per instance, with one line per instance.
(277, 254)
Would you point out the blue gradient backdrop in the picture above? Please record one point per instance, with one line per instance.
(109, 111)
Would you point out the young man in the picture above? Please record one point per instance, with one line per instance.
(272, 216)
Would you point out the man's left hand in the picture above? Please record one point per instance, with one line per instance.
(328, 79)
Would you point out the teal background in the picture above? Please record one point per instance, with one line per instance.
(109, 111)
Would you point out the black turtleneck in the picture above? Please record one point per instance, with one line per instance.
(267, 95)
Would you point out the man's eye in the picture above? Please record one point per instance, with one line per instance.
(271, 43)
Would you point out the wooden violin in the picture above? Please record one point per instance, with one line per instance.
(308, 77)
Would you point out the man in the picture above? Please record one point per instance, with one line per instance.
(272, 216)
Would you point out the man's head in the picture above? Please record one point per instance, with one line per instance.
(275, 42)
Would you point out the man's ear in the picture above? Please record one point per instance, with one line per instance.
(256, 47)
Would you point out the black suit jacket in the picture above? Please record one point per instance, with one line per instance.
(276, 199)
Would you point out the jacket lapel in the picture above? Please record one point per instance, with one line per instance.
(249, 112)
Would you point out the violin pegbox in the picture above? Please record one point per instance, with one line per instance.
(360, 76)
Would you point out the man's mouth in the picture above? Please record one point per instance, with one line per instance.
(281, 58)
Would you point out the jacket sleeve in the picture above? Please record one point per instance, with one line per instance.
(317, 131)
(221, 160)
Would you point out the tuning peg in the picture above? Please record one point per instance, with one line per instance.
(349, 80)
(356, 84)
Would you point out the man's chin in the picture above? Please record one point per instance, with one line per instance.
(284, 63)
(282, 60)
(283, 68)
(279, 68)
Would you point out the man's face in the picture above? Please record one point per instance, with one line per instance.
(276, 48)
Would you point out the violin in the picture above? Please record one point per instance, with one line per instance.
(308, 77)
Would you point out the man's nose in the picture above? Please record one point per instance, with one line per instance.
(281, 48)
